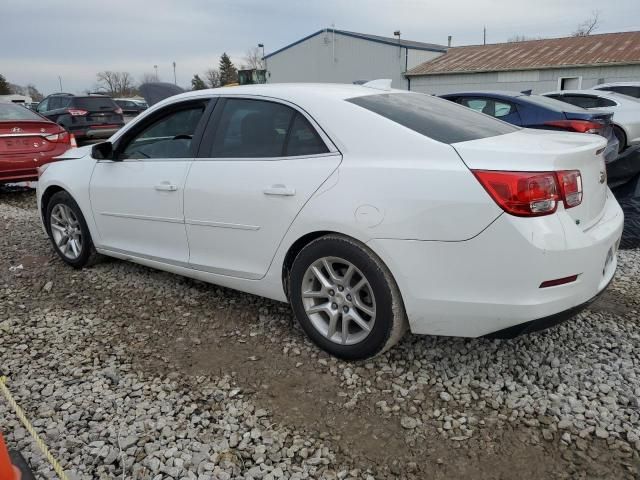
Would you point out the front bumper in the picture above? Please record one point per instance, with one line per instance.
(492, 282)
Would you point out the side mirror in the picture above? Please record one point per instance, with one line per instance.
(102, 151)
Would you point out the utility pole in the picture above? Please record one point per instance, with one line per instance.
(175, 81)
(156, 69)
(60, 82)
(484, 35)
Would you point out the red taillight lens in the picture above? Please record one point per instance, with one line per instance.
(76, 112)
(61, 137)
(524, 194)
(581, 126)
(532, 194)
(570, 182)
(118, 111)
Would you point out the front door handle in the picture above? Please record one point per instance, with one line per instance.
(280, 190)
(166, 187)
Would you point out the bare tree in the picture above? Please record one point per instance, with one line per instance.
(107, 80)
(253, 58)
(588, 26)
(116, 83)
(212, 78)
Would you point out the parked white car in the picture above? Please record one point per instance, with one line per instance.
(631, 89)
(369, 210)
(626, 111)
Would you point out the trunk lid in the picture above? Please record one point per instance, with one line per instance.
(19, 136)
(531, 150)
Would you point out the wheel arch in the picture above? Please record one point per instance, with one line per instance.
(309, 237)
(49, 192)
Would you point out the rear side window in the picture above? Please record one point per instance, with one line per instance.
(263, 129)
(625, 90)
(488, 106)
(94, 104)
(433, 117)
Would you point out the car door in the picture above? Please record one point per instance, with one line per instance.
(259, 162)
(137, 198)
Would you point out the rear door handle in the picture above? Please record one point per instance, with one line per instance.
(166, 187)
(280, 190)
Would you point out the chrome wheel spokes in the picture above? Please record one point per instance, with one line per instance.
(65, 230)
(338, 300)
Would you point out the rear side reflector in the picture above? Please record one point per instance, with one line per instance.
(559, 281)
(582, 126)
(532, 194)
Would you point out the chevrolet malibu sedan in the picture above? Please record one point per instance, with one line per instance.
(371, 210)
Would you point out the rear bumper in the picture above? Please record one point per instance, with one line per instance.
(492, 282)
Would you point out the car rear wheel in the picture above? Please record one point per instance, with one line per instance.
(346, 299)
(68, 231)
(622, 138)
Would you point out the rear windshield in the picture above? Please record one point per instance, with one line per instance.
(10, 111)
(94, 104)
(434, 117)
(553, 104)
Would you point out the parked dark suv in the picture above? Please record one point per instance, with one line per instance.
(86, 116)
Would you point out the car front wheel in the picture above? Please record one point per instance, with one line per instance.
(345, 298)
(68, 231)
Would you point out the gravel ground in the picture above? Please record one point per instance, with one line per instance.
(129, 372)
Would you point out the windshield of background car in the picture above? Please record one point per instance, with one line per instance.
(433, 117)
(9, 111)
(94, 104)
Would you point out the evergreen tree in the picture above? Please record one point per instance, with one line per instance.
(228, 72)
(4, 86)
(197, 83)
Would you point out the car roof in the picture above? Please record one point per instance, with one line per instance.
(616, 84)
(289, 91)
(597, 93)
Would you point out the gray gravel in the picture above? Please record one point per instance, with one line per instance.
(115, 399)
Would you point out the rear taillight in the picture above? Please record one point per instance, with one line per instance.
(581, 126)
(61, 137)
(76, 112)
(532, 194)
(118, 111)
(571, 187)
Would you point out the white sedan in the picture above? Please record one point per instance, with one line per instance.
(370, 210)
(626, 111)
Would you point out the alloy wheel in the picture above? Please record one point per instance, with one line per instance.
(66, 231)
(338, 300)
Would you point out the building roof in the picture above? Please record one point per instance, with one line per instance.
(410, 44)
(593, 50)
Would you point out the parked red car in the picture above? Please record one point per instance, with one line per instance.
(27, 141)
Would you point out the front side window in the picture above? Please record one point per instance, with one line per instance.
(262, 129)
(167, 137)
(433, 117)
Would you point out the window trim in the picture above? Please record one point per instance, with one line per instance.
(125, 138)
(206, 142)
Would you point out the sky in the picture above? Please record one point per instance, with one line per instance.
(41, 40)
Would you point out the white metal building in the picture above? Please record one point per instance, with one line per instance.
(539, 65)
(339, 56)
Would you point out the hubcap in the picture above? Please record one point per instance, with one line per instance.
(66, 232)
(338, 300)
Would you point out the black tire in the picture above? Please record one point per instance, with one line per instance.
(88, 255)
(390, 318)
(622, 138)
